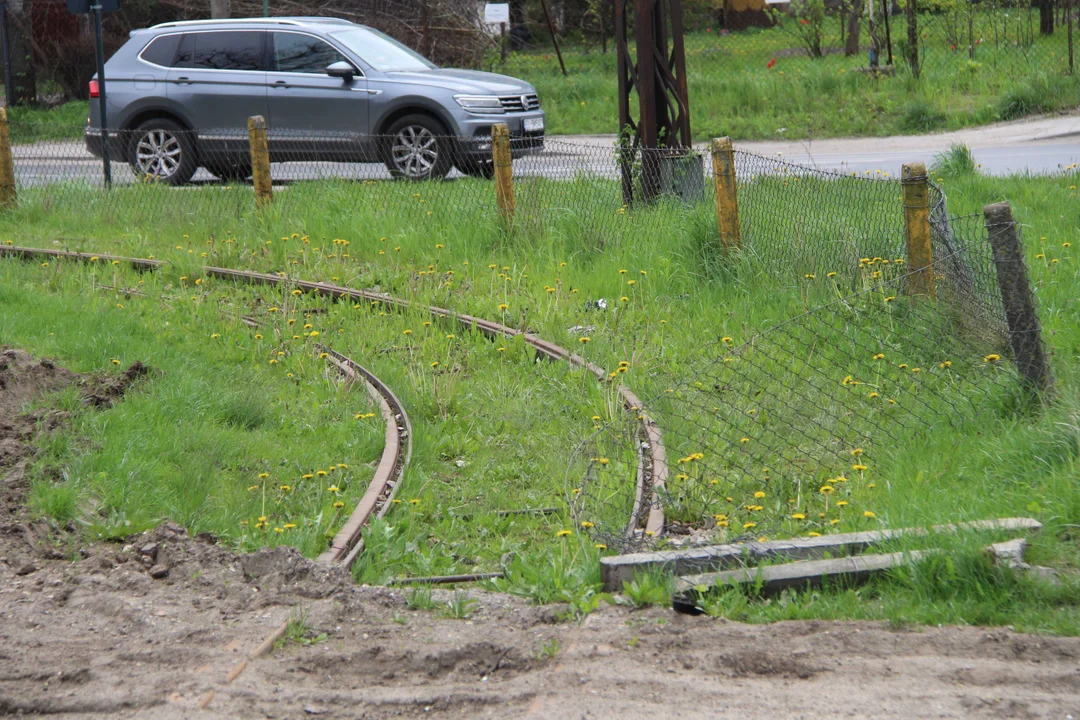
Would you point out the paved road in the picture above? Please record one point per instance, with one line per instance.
(1041, 146)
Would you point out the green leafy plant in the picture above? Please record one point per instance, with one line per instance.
(461, 606)
(648, 589)
(420, 598)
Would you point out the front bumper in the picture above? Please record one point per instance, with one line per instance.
(475, 132)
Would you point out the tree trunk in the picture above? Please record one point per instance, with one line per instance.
(1046, 17)
(851, 47)
(20, 36)
(220, 9)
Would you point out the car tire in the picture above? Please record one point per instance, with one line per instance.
(162, 150)
(484, 169)
(229, 170)
(415, 148)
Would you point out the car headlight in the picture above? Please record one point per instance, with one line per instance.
(480, 104)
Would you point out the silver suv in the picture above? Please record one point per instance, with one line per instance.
(180, 94)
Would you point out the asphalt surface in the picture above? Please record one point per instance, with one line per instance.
(1040, 146)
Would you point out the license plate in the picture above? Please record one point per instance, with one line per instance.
(534, 124)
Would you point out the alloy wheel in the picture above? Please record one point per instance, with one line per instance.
(158, 154)
(415, 151)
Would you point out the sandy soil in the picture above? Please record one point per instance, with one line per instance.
(154, 626)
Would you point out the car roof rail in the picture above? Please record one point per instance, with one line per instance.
(272, 21)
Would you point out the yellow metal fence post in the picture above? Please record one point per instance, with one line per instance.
(920, 254)
(727, 202)
(504, 173)
(260, 160)
(7, 164)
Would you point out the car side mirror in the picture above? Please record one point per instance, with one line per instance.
(341, 69)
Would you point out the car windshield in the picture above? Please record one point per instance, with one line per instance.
(381, 51)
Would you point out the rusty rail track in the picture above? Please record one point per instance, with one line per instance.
(652, 464)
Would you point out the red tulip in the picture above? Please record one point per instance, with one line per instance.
(770, 63)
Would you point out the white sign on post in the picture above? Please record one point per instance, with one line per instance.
(495, 13)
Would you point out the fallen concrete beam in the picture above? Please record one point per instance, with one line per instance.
(617, 569)
(807, 573)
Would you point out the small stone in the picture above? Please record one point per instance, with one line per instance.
(159, 571)
(26, 569)
(315, 710)
(149, 548)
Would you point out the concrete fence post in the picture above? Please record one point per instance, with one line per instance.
(727, 201)
(260, 160)
(504, 172)
(1025, 335)
(8, 193)
(920, 252)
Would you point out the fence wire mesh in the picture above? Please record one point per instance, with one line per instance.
(782, 433)
(789, 432)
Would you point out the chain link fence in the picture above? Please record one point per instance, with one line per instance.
(783, 431)
(794, 430)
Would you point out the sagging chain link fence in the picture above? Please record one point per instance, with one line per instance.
(795, 429)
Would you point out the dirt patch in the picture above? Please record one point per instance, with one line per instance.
(159, 626)
(24, 380)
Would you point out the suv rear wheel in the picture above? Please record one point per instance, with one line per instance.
(162, 150)
(416, 149)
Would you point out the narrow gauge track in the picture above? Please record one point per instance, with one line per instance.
(652, 459)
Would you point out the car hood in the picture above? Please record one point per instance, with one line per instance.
(465, 81)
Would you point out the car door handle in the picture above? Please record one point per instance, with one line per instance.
(281, 83)
(368, 91)
(183, 81)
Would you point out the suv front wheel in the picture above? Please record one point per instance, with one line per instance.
(416, 148)
(162, 151)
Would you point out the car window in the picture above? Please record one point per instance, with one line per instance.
(294, 52)
(230, 50)
(381, 51)
(161, 50)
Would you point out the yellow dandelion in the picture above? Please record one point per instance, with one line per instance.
(333, 489)
(759, 494)
(827, 489)
(992, 357)
(586, 524)
(798, 516)
(868, 514)
(584, 339)
(748, 525)
(340, 504)
(564, 533)
(858, 467)
(600, 546)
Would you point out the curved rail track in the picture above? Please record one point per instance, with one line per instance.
(346, 545)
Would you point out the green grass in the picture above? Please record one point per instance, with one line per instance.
(733, 92)
(63, 122)
(496, 430)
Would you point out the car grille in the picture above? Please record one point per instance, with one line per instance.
(520, 103)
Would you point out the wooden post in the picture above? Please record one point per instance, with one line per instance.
(504, 172)
(260, 160)
(1025, 335)
(913, 37)
(920, 253)
(727, 202)
(7, 164)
